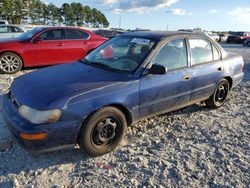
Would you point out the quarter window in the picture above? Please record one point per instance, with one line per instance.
(172, 55)
(216, 53)
(201, 51)
(52, 35)
(72, 34)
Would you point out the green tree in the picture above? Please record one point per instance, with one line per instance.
(37, 12)
(67, 14)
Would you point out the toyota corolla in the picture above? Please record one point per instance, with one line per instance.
(136, 75)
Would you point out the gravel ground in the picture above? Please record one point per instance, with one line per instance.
(192, 147)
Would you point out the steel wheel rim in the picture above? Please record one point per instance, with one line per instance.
(105, 132)
(221, 93)
(9, 63)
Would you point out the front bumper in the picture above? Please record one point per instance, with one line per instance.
(60, 134)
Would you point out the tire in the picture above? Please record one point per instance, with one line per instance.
(248, 44)
(10, 63)
(103, 131)
(219, 96)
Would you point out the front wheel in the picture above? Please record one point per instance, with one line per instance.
(103, 131)
(220, 95)
(10, 63)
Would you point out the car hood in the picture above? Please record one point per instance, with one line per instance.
(52, 87)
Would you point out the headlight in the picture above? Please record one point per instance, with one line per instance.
(39, 116)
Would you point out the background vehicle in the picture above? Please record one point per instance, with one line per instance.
(108, 33)
(4, 22)
(213, 36)
(91, 102)
(246, 42)
(238, 37)
(223, 37)
(10, 31)
(44, 46)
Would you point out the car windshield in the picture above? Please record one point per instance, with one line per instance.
(29, 34)
(123, 53)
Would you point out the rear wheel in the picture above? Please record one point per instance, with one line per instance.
(248, 44)
(10, 63)
(103, 131)
(220, 95)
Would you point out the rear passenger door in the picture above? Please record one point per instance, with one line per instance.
(76, 44)
(206, 67)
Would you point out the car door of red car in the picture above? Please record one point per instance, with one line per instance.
(76, 44)
(47, 48)
(172, 90)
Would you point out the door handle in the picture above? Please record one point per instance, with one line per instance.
(219, 68)
(186, 78)
(60, 44)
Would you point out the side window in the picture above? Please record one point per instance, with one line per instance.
(72, 34)
(172, 55)
(201, 51)
(216, 53)
(3, 29)
(52, 35)
(17, 30)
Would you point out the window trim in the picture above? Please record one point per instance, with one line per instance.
(164, 43)
(65, 30)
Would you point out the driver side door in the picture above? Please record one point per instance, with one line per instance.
(159, 93)
(48, 51)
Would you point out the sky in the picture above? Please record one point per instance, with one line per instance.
(211, 15)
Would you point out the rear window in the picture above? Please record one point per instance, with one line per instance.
(72, 34)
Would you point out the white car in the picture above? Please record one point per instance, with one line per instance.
(223, 37)
(10, 31)
(4, 22)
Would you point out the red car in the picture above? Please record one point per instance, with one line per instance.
(43, 46)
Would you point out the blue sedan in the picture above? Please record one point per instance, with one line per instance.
(136, 75)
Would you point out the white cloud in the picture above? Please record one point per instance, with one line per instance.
(178, 12)
(241, 15)
(108, 2)
(138, 6)
(213, 11)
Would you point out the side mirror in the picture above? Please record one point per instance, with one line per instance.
(37, 39)
(157, 69)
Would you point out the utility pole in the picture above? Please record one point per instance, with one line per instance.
(167, 27)
(120, 20)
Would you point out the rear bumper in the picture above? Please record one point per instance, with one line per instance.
(60, 134)
(237, 79)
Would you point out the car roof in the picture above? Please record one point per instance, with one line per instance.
(158, 35)
(9, 25)
(61, 27)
